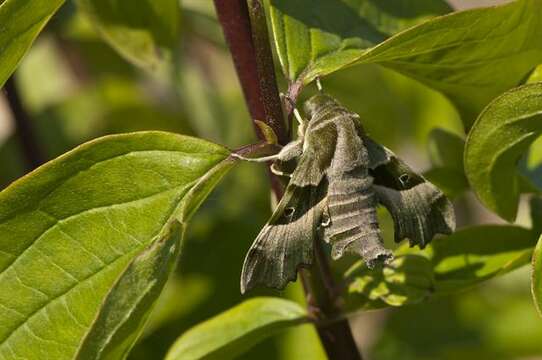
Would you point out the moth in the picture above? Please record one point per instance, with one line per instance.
(340, 178)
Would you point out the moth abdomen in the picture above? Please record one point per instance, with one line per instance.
(353, 223)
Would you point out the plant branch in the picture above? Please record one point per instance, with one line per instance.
(23, 126)
(254, 64)
(245, 30)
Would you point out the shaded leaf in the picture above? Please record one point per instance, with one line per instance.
(20, 23)
(446, 149)
(461, 54)
(449, 264)
(536, 281)
(236, 330)
(452, 182)
(142, 31)
(89, 240)
(446, 156)
(500, 136)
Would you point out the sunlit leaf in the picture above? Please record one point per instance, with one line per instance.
(536, 75)
(233, 332)
(500, 136)
(449, 264)
(462, 54)
(20, 23)
(89, 239)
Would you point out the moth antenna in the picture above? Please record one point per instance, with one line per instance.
(261, 159)
(319, 84)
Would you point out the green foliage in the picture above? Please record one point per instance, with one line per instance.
(446, 156)
(501, 134)
(461, 54)
(231, 333)
(90, 239)
(448, 265)
(143, 31)
(20, 23)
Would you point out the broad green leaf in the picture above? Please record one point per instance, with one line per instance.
(142, 31)
(536, 280)
(449, 264)
(236, 330)
(89, 240)
(462, 54)
(501, 134)
(20, 22)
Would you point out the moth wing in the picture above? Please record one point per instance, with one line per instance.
(418, 208)
(285, 243)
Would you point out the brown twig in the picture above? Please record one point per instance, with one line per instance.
(245, 30)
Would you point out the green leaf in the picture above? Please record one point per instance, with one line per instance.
(449, 264)
(536, 280)
(90, 238)
(446, 149)
(446, 156)
(462, 54)
(452, 182)
(238, 329)
(316, 37)
(536, 75)
(143, 31)
(501, 134)
(20, 23)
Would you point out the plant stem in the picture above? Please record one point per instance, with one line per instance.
(245, 29)
(23, 126)
(255, 71)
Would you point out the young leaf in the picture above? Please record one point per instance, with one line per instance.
(536, 281)
(460, 54)
(236, 330)
(316, 37)
(20, 23)
(449, 264)
(142, 31)
(89, 240)
(501, 134)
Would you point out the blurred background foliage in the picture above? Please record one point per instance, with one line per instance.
(76, 88)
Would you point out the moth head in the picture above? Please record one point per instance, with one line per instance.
(317, 103)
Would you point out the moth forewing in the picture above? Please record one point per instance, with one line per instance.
(286, 242)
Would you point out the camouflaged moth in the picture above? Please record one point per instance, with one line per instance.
(340, 178)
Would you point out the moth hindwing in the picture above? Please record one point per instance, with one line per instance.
(340, 178)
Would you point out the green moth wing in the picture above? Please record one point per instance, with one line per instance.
(286, 242)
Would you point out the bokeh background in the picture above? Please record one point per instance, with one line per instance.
(76, 88)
